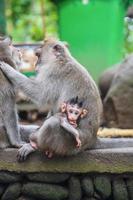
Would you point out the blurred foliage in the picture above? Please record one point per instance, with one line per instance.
(2, 17)
(128, 44)
(29, 21)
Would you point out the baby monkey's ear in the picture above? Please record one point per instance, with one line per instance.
(84, 113)
(63, 107)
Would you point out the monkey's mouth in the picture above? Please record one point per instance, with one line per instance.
(72, 122)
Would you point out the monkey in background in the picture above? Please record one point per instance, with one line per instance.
(69, 116)
(9, 130)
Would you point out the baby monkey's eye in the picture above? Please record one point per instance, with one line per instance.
(71, 111)
(76, 113)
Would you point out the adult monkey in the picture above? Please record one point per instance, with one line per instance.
(60, 77)
(9, 131)
(9, 128)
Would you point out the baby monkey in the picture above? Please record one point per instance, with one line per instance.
(69, 117)
(71, 113)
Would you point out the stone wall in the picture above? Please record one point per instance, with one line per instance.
(92, 175)
(65, 186)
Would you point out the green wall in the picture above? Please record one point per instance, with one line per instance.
(94, 32)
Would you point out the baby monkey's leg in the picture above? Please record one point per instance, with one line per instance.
(33, 140)
(49, 154)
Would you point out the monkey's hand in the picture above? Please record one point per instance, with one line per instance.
(24, 151)
(78, 142)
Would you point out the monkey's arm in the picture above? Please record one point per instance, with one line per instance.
(68, 127)
(30, 87)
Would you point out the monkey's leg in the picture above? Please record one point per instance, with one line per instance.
(26, 149)
(26, 131)
(68, 127)
(10, 121)
(52, 137)
(29, 86)
(33, 140)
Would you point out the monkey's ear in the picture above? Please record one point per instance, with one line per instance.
(58, 49)
(63, 107)
(84, 113)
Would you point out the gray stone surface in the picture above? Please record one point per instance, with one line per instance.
(91, 198)
(45, 191)
(103, 186)
(48, 177)
(118, 160)
(1, 189)
(6, 177)
(75, 192)
(87, 186)
(97, 196)
(119, 190)
(12, 192)
(25, 198)
(130, 187)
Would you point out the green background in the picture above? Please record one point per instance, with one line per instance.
(95, 31)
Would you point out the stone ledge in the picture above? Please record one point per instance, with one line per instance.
(118, 160)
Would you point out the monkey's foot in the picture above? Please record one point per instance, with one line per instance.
(49, 154)
(33, 144)
(24, 151)
(78, 143)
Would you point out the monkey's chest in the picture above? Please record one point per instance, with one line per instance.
(6, 89)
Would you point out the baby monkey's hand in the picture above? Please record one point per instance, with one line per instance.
(78, 142)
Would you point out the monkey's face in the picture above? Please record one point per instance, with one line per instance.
(9, 53)
(49, 52)
(73, 113)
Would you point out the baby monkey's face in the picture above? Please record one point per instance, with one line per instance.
(73, 112)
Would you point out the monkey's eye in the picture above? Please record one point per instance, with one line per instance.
(70, 111)
(76, 113)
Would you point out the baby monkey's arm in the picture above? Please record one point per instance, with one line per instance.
(68, 127)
